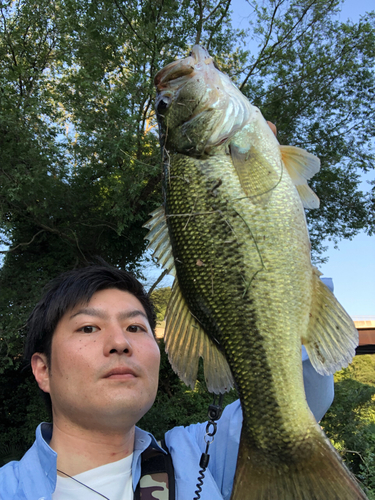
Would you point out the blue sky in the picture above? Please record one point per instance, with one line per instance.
(352, 265)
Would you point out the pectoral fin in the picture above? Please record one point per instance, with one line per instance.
(257, 176)
(301, 166)
(159, 241)
(308, 197)
(186, 342)
(331, 337)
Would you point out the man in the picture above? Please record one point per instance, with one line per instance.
(93, 354)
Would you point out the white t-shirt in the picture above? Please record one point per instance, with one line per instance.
(114, 481)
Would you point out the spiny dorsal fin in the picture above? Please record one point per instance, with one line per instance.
(186, 342)
(159, 241)
(301, 166)
(331, 336)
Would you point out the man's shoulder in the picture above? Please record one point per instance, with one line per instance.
(16, 476)
(9, 480)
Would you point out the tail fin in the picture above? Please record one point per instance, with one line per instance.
(322, 476)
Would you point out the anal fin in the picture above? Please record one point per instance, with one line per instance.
(331, 338)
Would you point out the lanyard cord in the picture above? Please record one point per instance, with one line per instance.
(214, 413)
(83, 484)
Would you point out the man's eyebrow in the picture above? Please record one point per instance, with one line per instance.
(99, 313)
(132, 314)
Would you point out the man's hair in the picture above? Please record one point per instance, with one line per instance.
(67, 291)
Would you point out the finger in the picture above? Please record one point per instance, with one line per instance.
(272, 127)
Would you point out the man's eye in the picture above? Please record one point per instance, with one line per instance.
(136, 329)
(88, 329)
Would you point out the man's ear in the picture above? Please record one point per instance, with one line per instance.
(40, 370)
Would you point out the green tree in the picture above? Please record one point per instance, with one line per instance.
(350, 422)
(79, 156)
(160, 298)
(79, 160)
(314, 77)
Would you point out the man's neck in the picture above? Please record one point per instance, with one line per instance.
(79, 450)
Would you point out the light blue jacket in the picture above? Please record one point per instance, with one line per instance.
(34, 476)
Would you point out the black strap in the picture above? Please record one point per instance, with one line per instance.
(157, 474)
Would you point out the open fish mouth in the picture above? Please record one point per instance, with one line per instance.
(183, 67)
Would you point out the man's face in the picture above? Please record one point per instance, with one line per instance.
(104, 363)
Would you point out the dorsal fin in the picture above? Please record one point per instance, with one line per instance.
(186, 342)
(301, 166)
(159, 241)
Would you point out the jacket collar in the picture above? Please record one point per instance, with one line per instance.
(42, 480)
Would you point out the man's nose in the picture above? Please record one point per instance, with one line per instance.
(117, 341)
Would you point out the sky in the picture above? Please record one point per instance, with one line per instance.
(352, 265)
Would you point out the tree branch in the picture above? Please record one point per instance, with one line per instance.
(219, 21)
(264, 46)
(199, 23)
(23, 244)
(130, 24)
(163, 274)
(280, 42)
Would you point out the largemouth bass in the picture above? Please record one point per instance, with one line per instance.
(233, 232)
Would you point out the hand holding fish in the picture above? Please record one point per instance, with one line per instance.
(272, 127)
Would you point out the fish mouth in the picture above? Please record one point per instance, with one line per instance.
(182, 67)
(212, 93)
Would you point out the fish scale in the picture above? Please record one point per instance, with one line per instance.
(233, 232)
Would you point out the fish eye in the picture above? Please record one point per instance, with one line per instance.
(163, 104)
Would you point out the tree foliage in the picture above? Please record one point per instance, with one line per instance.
(350, 422)
(79, 156)
(160, 299)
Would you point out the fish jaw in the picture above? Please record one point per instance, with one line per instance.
(198, 107)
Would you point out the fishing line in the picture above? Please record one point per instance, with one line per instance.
(265, 192)
(257, 248)
(135, 159)
(214, 413)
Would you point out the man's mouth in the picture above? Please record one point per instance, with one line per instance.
(120, 373)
